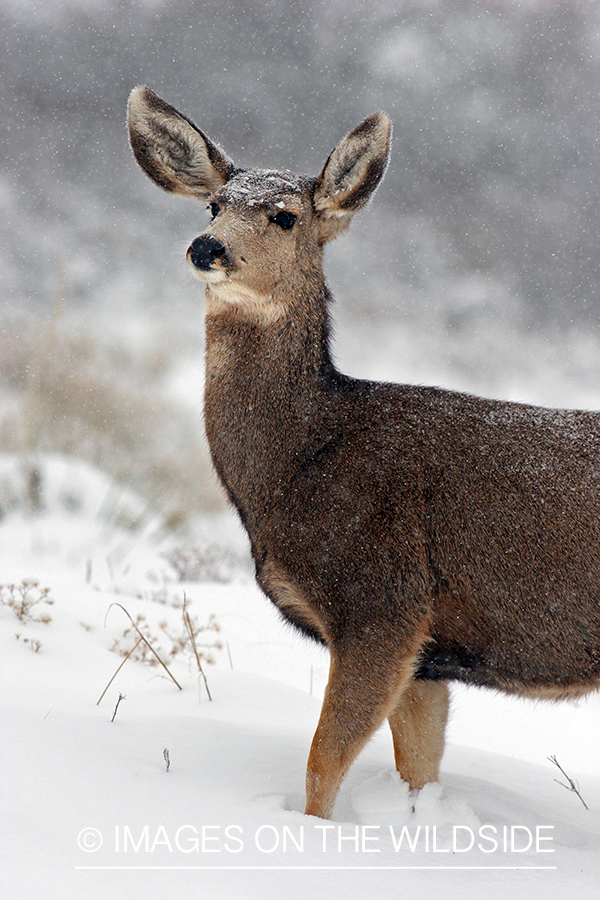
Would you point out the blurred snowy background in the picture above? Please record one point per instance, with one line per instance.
(476, 266)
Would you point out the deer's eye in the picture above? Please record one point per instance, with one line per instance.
(284, 219)
(214, 209)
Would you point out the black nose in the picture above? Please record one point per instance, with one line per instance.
(204, 250)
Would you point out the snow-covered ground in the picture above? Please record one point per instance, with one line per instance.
(90, 808)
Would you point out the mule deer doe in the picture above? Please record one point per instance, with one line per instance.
(424, 536)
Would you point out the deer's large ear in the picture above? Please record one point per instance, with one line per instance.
(171, 150)
(352, 173)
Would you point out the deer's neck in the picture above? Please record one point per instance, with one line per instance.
(265, 400)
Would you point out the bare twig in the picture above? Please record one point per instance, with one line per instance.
(148, 645)
(571, 786)
(190, 631)
(118, 670)
(121, 697)
(167, 758)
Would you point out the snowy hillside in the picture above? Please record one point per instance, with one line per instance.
(91, 809)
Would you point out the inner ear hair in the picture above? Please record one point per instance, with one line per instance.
(172, 151)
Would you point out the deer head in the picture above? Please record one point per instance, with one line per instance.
(267, 226)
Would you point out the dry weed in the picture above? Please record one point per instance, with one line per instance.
(23, 598)
(167, 643)
(210, 563)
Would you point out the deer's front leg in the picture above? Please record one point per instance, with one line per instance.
(366, 680)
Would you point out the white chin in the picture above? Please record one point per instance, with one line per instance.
(209, 276)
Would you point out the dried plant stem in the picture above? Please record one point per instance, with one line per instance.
(118, 670)
(121, 697)
(190, 631)
(571, 786)
(148, 645)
